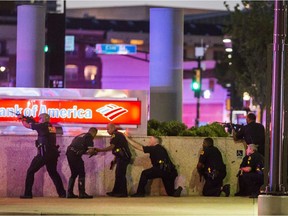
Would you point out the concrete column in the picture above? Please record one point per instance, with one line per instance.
(30, 67)
(272, 205)
(166, 60)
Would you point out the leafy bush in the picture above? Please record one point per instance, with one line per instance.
(173, 128)
(154, 124)
(153, 132)
(176, 128)
(189, 132)
(218, 129)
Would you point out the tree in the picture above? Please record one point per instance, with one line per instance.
(251, 31)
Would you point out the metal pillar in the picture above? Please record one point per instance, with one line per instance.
(198, 95)
(275, 201)
(275, 179)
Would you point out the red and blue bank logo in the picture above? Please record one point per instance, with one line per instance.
(111, 111)
(73, 111)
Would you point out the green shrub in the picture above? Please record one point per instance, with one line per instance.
(176, 128)
(189, 132)
(154, 124)
(153, 132)
(218, 129)
(173, 128)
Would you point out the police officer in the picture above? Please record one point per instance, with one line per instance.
(121, 151)
(252, 133)
(75, 150)
(47, 154)
(250, 176)
(212, 167)
(162, 167)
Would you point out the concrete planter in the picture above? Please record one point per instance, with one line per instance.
(16, 153)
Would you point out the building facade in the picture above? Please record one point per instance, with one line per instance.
(86, 69)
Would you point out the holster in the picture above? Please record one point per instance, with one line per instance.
(212, 173)
(121, 153)
(165, 166)
(41, 148)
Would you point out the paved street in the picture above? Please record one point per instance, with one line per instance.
(108, 206)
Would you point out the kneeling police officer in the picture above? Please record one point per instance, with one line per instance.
(211, 166)
(162, 167)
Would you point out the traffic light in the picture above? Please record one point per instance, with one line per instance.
(196, 82)
(46, 49)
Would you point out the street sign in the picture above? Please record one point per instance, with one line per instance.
(120, 49)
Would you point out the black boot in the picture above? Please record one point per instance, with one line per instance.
(70, 193)
(226, 190)
(81, 186)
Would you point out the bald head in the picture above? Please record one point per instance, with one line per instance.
(111, 128)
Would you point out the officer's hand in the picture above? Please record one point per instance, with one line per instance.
(91, 151)
(20, 117)
(126, 134)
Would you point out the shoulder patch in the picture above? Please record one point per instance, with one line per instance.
(52, 129)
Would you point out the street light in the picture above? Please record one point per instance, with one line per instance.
(207, 94)
(2, 68)
(199, 54)
(227, 40)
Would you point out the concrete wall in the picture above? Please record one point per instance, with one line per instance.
(16, 153)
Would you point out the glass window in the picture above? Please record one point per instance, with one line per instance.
(90, 72)
(71, 72)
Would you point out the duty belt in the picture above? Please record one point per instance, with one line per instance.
(76, 151)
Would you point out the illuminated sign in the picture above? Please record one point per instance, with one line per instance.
(126, 112)
(116, 49)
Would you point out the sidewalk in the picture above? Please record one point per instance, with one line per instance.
(109, 206)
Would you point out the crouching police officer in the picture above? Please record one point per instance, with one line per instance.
(162, 167)
(47, 153)
(75, 150)
(250, 176)
(211, 166)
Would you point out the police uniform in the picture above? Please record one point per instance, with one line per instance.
(74, 153)
(47, 155)
(122, 155)
(253, 133)
(162, 167)
(250, 182)
(214, 171)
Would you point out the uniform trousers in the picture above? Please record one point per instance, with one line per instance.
(168, 179)
(212, 187)
(76, 165)
(120, 184)
(51, 166)
(250, 183)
